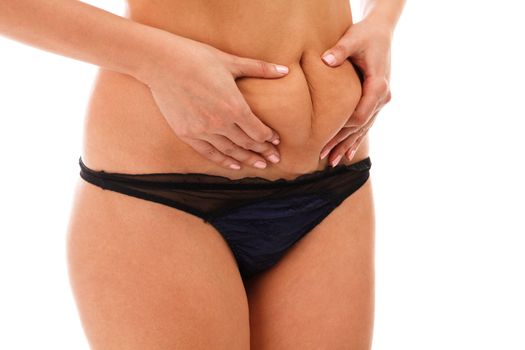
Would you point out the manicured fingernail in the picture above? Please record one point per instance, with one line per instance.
(235, 166)
(351, 154)
(281, 69)
(325, 153)
(273, 158)
(329, 58)
(260, 164)
(336, 160)
(276, 141)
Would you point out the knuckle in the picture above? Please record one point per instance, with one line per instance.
(229, 108)
(262, 135)
(338, 149)
(217, 54)
(229, 150)
(216, 122)
(210, 152)
(226, 162)
(250, 160)
(342, 137)
(382, 87)
(243, 111)
(262, 67)
(344, 148)
(192, 131)
(339, 49)
(388, 96)
(267, 149)
(350, 140)
(358, 141)
(198, 129)
(249, 144)
(184, 133)
(235, 109)
(234, 60)
(359, 119)
(236, 65)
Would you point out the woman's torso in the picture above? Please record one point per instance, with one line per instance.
(125, 131)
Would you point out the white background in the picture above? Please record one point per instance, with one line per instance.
(448, 176)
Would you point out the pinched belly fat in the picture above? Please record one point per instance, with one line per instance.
(307, 107)
(126, 132)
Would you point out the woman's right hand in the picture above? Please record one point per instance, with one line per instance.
(194, 87)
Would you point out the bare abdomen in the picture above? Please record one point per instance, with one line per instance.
(125, 131)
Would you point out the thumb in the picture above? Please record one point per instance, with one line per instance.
(338, 53)
(248, 67)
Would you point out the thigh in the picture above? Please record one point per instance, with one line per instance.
(321, 294)
(148, 276)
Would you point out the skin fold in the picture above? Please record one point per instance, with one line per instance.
(306, 107)
(190, 86)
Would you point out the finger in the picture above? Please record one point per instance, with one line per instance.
(254, 127)
(337, 54)
(240, 138)
(341, 135)
(208, 151)
(350, 148)
(351, 151)
(339, 150)
(249, 67)
(344, 147)
(230, 149)
(366, 106)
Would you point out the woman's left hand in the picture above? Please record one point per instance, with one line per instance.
(366, 44)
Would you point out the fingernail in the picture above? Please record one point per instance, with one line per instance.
(336, 160)
(350, 153)
(235, 166)
(260, 164)
(276, 141)
(325, 153)
(281, 69)
(273, 158)
(329, 58)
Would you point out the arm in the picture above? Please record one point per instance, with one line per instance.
(80, 31)
(385, 12)
(192, 83)
(367, 44)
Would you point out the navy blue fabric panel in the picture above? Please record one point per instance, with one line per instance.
(260, 233)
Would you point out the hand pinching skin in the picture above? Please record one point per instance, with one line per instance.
(367, 45)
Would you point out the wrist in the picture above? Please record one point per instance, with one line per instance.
(147, 55)
(383, 15)
(377, 30)
(380, 22)
(162, 55)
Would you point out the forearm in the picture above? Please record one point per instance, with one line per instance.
(80, 31)
(387, 12)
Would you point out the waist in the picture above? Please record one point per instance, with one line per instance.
(126, 132)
